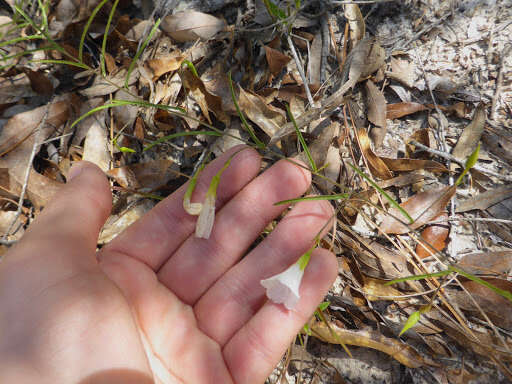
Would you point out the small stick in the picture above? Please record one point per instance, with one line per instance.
(301, 70)
(447, 156)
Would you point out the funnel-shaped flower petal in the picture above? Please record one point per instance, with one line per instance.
(206, 218)
(283, 288)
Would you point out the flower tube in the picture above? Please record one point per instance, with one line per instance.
(283, 288)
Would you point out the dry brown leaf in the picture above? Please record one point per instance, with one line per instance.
(498, 308)
(406, 165)
(268, 118)
(111, 84)
(377, 166)
(16, 142)
(471, 135)
(165, 64)
(422, 136)
(397, 110)
(376, 103)
(191, 25)
(401, 352)
(487, 263)
(216, 82)
(376, 260)
(332, 169)
(206, 101)
(402, 71)
(7, 218)
(39, 82)
(433, 238)
(276, 60)
(376, 289)
(486, 199)
(422, 207)
(149, 176)
(15, 88)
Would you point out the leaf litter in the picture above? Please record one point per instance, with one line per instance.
(392, 103)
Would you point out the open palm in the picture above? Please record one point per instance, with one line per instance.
(157, 303)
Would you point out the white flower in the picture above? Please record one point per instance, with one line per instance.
(283, 288)
(206, 218)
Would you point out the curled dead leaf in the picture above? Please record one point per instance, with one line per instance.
(401, 352)
(192, 25)
(268, 118)
(377, 166)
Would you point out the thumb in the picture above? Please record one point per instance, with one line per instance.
(70, 223)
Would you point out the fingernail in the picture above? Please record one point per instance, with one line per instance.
(75, 170)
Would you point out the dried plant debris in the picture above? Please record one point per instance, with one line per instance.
(402, 93)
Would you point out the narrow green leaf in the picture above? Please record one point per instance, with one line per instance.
(191, 66)
(506, 294)
(324, 305)
(419, 277)
(314, 198)
(470, 163)
(188, 193)
(139, 52)
(19, 39)
(246, 125)
(105, 37)
(383, 193)
(44, 15)
(86, 29)
(63, 62)
(411, 322)
(302, 141)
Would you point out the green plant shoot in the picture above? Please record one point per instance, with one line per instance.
(192, 208)
(470, 163)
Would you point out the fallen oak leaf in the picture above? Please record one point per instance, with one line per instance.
(422, 207)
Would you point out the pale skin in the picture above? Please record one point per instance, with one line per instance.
(158, 304)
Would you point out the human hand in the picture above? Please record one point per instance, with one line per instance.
(157, 303)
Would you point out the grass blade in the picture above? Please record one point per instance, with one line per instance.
(302, 141)
(105, 36)
(64, 62)
(86, 29)
(314, 198)
(139, 52)
(419, 277)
